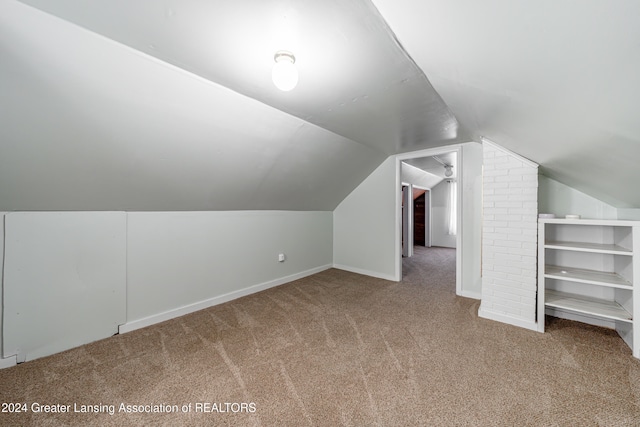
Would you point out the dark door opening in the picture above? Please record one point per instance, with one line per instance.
(419, 217)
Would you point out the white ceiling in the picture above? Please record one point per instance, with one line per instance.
(148, 105)
(434, 164)
(354, 78)
(555, 81)
(418, 177)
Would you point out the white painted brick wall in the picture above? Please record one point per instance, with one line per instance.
(509, 237)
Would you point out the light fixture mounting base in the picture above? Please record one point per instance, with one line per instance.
(283, 54)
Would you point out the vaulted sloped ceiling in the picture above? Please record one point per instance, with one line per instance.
(90, 125)
(352, 71)
(147, 105)
(555, 81)
(168, 105)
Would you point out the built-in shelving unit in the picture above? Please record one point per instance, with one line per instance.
(589, 270)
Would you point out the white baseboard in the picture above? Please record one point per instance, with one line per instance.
(366, 272)
(470, 294)
(8, 362)
(505, 318)
(201, 305)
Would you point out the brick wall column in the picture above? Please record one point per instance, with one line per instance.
(509, 237)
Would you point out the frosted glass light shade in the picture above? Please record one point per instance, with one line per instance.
(284, 73)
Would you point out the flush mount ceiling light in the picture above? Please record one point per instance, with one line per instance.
(284, 73)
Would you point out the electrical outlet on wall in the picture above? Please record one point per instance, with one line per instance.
(281, 257)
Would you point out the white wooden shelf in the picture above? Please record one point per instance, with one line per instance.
(605, 222)
(590, 277)
(585, 305)
(598, 248)
(589, 271)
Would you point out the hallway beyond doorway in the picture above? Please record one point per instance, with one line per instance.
(434, 266)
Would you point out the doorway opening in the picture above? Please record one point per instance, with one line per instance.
(421, 214)
(416, 217)
(430, 209)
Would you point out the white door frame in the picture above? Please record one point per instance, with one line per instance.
(407, 220)
(457, 148)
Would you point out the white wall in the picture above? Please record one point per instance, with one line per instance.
(559, 199)
(179, 262)
(629, 214)
(439, 220)
(176, 263)
(471, 224)
(11, 362)
(64, 280)
(364, 225)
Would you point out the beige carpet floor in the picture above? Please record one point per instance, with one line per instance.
(338, 349)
